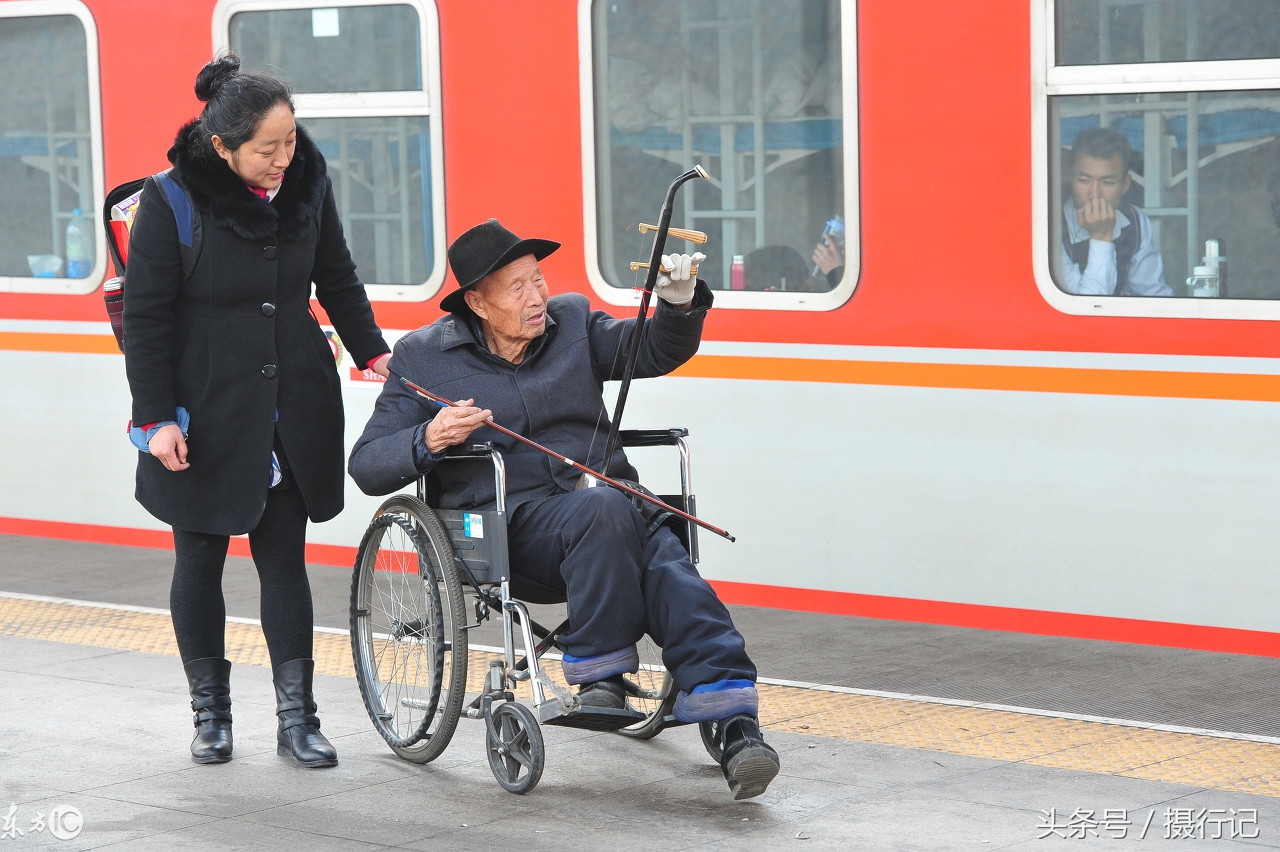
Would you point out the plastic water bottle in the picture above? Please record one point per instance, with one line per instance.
(832, 235)
(79, 246)
(1215, 255)
(738, 273)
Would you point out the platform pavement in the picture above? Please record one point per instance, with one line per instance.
(105, 732)
(1149, 684)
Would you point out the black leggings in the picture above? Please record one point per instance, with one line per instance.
(277, 544)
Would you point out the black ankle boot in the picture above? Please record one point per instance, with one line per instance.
(610, 693)
(209, 679)
(748, 763)
(299, 734)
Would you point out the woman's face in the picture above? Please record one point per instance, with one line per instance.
(261, 161)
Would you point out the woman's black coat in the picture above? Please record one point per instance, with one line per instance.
(236, 343)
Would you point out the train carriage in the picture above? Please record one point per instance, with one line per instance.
(936, 429)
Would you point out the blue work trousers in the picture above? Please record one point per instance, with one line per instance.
(588, 547)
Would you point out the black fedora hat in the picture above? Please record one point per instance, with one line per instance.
(483, 249)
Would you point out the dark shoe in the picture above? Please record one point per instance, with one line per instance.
(748, 763)
(209, 679)
(609, 693)
(299, 734)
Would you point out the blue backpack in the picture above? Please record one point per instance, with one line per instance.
(125, 197)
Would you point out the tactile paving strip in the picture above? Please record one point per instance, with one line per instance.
(1182, 758)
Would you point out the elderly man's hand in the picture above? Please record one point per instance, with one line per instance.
(453, 425)
(676, 285)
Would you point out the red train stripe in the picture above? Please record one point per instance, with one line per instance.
(1167, 634)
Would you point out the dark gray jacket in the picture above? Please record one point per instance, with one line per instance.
(554, 397)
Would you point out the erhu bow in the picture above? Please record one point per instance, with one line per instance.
(651, 277)
(581, 468)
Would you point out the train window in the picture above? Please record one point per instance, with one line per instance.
(349, 49)
(50, 149)
(761, 94)
(367, 88)
(1106, 32)
(1158, 163)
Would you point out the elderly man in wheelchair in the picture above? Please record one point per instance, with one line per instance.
(537, 364)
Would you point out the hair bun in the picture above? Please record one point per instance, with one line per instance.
(216, 73)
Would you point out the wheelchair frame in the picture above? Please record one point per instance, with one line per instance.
(414, 568)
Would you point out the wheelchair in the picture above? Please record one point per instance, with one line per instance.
(416, 570)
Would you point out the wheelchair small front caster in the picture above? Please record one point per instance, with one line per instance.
(514, 746)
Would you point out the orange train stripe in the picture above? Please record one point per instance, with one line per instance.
(1225, 640)
(24, 341)
(1146, 383)
(1151, 383)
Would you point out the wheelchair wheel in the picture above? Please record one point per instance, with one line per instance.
(651, 691)
(515, 748)
(408, 641)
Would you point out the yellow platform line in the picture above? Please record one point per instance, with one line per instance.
(1085, 746)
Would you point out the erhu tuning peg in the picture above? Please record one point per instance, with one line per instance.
(697, 237)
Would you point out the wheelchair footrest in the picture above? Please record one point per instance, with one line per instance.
(596, 719)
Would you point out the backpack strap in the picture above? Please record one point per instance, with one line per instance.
(186, 218)
(1126, 247)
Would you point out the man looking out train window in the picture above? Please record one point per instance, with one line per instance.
(1107, 246)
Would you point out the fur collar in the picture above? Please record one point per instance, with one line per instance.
(219, 193)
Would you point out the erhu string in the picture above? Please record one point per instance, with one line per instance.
(603, 411)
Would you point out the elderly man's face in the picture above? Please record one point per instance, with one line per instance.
(512, 306)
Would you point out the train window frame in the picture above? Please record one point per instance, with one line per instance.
(93, 94)
(416, 103)
(725, 298)
(1050, 80)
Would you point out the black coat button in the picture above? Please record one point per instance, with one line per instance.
(268, 309)
(270, 252)
(269, 371)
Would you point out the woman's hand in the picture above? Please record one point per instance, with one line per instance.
(168, 445)
(379, 365)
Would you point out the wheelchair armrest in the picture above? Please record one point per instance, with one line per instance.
(652, 437)
(470, 451)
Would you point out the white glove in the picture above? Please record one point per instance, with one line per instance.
(677, 285)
